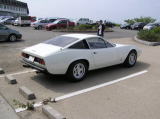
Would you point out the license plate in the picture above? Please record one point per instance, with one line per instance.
(31, 58)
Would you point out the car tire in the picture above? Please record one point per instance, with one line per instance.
(40, 27)
(12, 38)
(131, 59)
(77, 71)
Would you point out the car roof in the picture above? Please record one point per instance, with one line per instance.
(80, 36)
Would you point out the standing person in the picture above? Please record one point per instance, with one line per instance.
(101, 29)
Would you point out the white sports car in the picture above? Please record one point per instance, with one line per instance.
(75, 54)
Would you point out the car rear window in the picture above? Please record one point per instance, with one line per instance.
(61, 41)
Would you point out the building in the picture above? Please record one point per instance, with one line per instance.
(13, 8)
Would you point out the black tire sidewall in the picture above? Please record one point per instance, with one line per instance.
(126, 63)
(10, 38)
(39, 27)
(70, 75)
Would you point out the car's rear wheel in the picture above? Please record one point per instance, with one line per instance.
(131, 59)
(77, 71)
(12, 37)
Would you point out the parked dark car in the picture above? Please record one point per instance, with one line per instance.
(60, 23)
(138, 26)
(125, 26)
(7, 34)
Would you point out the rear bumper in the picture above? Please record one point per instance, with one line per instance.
(32, 65)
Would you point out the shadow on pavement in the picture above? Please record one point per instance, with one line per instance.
(60, 84)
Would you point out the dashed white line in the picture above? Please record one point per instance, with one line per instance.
(98, 86)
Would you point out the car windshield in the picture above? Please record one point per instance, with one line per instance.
(61, 41)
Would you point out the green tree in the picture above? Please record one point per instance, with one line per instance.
(129, 21)
(141, 19)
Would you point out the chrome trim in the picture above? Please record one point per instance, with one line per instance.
(33, 66)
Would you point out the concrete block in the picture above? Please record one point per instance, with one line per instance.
(28, 94)
(10, 79)
(1, 71)
(51, 113)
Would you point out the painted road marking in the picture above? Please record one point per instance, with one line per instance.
(98, 86)
(24, 109)
(81, 91)
(18, 73)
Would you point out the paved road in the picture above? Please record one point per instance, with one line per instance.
(10, 52)
(119, 33)
(135, 98)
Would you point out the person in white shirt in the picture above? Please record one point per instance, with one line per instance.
(101, 29)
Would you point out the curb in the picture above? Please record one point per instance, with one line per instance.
(146, 42)
(10, 79)
(51, 113)
(28, 94)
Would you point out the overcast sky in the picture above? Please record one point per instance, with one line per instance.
(110, 10)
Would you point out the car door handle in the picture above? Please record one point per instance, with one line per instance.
(94, 53)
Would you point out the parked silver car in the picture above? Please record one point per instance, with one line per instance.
(39, 24)
(42, 23)
(7, 34)
(9, 21)
(151, 26)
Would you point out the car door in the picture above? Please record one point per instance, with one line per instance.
(104, 54)
(63, 24)
(43, 23)
(3, 32)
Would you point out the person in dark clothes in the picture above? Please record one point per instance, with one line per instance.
(101, 29)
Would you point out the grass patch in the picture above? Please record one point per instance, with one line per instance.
(150, 35)
(83, 28)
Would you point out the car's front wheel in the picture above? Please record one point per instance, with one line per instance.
(77, 71)
(39, 27)
(131, 59)
(12, 38)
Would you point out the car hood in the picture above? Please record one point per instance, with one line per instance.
(35, 22)
(14, 31)
(148, 26)
(42, 50)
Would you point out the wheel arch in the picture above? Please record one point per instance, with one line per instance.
(84, 60)
(133, 50)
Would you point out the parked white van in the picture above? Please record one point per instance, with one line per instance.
(84, 21)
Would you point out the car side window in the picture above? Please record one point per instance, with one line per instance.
(96, 43)
(63, 22)
(109, 45)
(42, 21)
(80, 45)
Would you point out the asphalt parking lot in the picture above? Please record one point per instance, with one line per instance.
(134, 97)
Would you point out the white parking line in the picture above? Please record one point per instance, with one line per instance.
(20, 48)
(98, 86)
(18, 73)
(23, 109)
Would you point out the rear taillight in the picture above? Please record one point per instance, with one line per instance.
(40, 61)
(25, 55)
